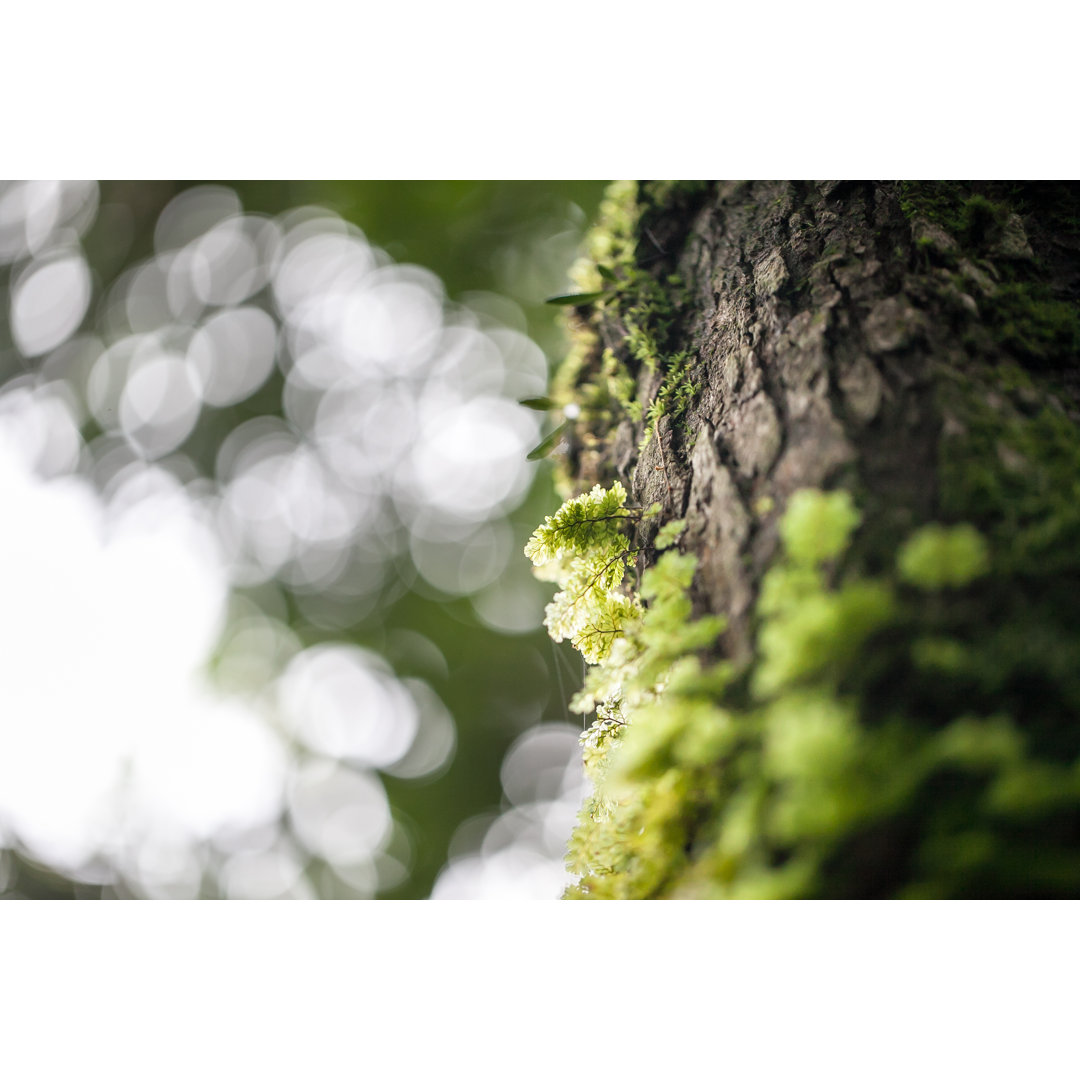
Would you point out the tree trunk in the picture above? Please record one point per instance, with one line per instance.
(899, 700)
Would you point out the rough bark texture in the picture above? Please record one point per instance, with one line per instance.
(817, 318)
(917, 346)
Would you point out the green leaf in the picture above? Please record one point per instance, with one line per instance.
(542, 404)
(543, 448)
(575, 299)
(607, 273)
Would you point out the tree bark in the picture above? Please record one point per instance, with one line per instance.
(915, 345)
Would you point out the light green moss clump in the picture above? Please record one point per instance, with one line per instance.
(906, 724)
(818, 526)
(855, 755)
(808, 630)
(584, 550)
(820, 635)
(936, 557)
(612, 242)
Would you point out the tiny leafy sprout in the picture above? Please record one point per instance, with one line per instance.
(545, 404)
(546, 445)
(575, 299)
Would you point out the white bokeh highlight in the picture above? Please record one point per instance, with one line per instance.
(48, 302)
(520, 854)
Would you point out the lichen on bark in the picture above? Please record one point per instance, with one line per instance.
(894, 712)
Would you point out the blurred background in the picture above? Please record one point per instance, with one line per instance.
(268, 630)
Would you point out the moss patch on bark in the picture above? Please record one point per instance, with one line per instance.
(907, 720)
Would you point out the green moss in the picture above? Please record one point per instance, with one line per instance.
(818, 526)
(666, 193)
(970, 216)
(612, 241)
(940, 654)
(798, 788)
(910, 733)
(1027, 319)
(621, 385)
(1013, 473)
(936, 557)
(980, 745)
(809, 735)
(583, 549)
(610, 382)
(677, 392)
(938, 201)
(820, 636)
(981, 219)
(1017, 306)
(660, 738)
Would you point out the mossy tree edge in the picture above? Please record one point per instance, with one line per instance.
(898, 716)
